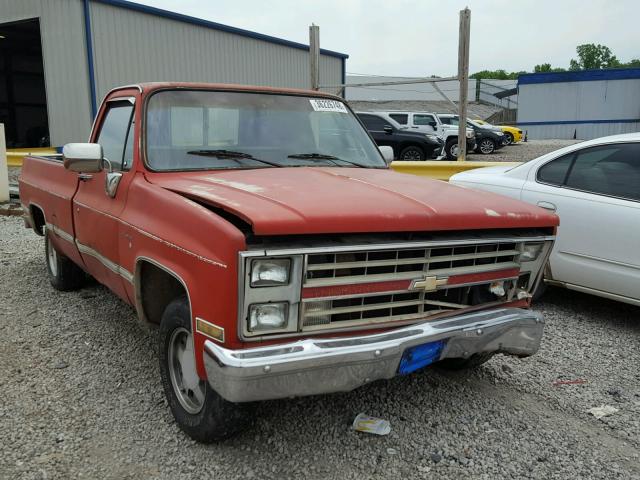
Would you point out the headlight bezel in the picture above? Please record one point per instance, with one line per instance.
(251, 295)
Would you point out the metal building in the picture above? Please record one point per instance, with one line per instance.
(582, 104)
(58, 58)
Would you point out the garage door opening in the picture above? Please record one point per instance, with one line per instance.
(23, 99)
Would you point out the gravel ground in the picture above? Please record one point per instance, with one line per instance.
(81, 398)
(523, 151)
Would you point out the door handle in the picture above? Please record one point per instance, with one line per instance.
(547, 206)
(84, 177)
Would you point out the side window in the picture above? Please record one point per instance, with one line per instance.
(556, 170)
(445, 120)
(116, 134)
(401, 118)
(423, 119)
(373, 122)
(609, 169)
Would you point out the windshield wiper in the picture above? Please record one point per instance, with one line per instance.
(321, 156)
(232, 155)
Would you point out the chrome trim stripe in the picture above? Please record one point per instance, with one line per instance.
(154, 237)
(403, 246)
(85, 249)
(60, 233)
(114, 267)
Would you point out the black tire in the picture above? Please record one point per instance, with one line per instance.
(412, 153)
(486, 146)
(451, 148)
(63, 274)
(217, 419)
(508, 138)
(473, 361)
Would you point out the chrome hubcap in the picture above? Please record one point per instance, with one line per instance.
(189, 388)
(486, 146)
(455, 149)
(52, 258)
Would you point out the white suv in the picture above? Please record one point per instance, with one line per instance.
(426, 122)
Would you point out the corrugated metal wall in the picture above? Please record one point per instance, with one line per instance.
(411, 91)
(131, 46)
(65, 65)
(598, 102)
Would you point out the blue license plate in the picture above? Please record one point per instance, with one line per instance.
(420, 356)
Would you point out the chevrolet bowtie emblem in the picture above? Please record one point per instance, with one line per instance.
(428, 284)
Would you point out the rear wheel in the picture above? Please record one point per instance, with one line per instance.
(199, 411)
(412, 153)
(473, 361)
(486, 146)
(451, 149)
(508, 138)
(64, 275)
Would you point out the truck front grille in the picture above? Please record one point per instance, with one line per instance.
(343, 289)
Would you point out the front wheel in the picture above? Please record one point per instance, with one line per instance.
(452, 149)
(486, 146)
(412, 153)
(64, 275)
(508, 138)
(199, 411)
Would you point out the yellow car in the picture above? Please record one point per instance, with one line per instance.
(511, 134)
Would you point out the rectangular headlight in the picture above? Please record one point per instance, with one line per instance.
(268, 316)
(531, 251)
(270, 272)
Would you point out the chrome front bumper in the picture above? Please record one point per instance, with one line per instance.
(317, 366)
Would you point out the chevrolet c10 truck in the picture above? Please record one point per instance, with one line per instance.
(263, 232)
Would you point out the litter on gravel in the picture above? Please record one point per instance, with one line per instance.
(367, 424)
(602, 411)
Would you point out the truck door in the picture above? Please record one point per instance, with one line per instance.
(96, 212)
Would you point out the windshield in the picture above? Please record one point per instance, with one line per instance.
(203, 130)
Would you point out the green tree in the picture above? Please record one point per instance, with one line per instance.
(546, 67)
(592, 56)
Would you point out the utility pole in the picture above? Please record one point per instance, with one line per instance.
(463, 78)
(314, 56)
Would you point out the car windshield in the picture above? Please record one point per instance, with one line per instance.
(206, 130)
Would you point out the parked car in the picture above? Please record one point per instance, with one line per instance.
(262, 231)
(594, 187)
(406, 145)
(425, 122)
(487, 140)
(511, 134)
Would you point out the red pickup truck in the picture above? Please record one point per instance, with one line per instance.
(262, 231)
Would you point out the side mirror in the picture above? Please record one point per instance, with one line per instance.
(433, 124)
(82, 157)
(387, 153)
(388, 129)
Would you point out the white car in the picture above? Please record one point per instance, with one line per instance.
(594, 187)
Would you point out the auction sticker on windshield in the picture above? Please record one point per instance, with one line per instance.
(325, 105)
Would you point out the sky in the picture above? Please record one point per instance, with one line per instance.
(420, 37)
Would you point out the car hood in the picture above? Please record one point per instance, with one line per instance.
(304, 200)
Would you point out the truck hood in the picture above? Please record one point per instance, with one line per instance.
(304, 200)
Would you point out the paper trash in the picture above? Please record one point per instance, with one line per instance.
(602, 411)
(377, 426)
